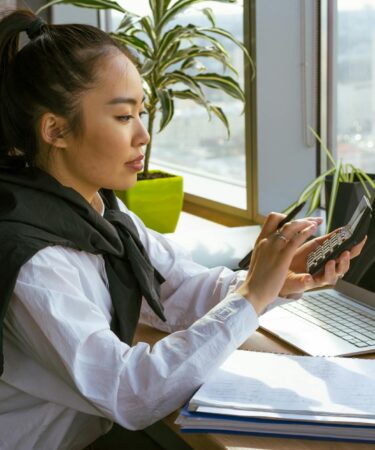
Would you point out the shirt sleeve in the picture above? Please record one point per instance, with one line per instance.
(190, 289)
(55, 323)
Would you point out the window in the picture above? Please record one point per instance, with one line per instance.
(282, 102)
(213, 165)
(355, 82)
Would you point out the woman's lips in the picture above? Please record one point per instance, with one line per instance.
(136, 164)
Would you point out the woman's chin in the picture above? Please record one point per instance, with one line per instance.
(125, 185)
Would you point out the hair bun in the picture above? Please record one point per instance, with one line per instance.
(34, 29)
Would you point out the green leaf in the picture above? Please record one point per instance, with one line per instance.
(324, 147)
(332, 200)
(363, 183)
(194, 51)
(308, 193)
(290, 207)
(197, 34)
(221, 116)
(352, 172)
(178, 7)
(226, 34)
(93, 4)
(210, 15)
(315, 199)
(166, 107)
(134, 42)
(176, 34)
(128, 22)
(148, 28)
(187, 94)
(189, 63)
(312, 186)
(48, 5)
(224, 83)
(177, 76)
(147, 67)
(156, 7)
(366, 177)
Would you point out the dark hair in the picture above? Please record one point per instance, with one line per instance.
(48, 74)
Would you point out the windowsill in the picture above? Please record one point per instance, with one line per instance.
(215, 190)
(212, 244)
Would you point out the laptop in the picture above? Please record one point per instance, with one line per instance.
(339, 321)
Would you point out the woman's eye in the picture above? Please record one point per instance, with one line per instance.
(124, 118)
(127, 117)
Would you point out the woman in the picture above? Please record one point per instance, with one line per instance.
(76, 263)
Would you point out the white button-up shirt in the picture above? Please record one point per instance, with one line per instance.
(68, 377)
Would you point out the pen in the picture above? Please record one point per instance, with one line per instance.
(245, 262)
(292, 214)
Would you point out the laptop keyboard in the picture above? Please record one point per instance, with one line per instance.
(345, 322)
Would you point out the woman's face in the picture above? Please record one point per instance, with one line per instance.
(108, 154)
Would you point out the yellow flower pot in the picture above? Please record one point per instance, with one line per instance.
(157, 201)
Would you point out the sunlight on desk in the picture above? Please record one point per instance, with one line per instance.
(212, 244)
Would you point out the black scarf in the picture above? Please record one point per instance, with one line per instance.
(36, 211)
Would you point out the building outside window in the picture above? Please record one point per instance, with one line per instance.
(355, 75)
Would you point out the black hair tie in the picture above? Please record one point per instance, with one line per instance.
(33, 30)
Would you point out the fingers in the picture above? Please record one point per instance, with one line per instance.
(290, 229)
(317, 220)
(343, 264)
(294, 234)
(333, 270)
(273, 220)
(297, 283)
(271, 223)
(319, 240)
(356, 250)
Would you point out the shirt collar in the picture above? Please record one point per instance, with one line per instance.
(98, 204)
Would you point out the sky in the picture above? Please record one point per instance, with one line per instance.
(354, 4)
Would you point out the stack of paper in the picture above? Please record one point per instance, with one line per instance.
(286, 395)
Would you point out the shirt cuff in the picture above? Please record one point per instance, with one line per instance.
(239, 316)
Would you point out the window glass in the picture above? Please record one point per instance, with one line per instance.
(356, 83)
(191, 141)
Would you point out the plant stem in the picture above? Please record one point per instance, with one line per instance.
(150, 128)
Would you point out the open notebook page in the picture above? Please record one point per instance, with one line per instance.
(291, 384)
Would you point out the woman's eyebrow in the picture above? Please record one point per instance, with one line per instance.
(127, 100)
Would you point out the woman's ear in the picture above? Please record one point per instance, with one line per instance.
(52, 130)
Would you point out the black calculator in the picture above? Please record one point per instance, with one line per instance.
(345, 238)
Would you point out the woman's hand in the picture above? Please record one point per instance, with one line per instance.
(299, 281)
(272, 257)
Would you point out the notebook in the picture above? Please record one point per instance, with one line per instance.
(331, 322)
(286, 396)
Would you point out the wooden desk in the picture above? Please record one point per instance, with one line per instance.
(260, 341)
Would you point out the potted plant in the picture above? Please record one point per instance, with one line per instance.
(343, 186)
(168, 54)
